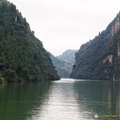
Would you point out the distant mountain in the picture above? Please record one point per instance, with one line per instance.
(64, 63)
(63, 68)
(68, 56)
(100, 57)
(22, 56)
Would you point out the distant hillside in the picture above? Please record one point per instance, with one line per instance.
(64, 63)
(68, 56)
(63, 68)
(100, 57)
(22, 56)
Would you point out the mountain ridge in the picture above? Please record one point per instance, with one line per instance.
(22, 56)
(68, 55)
(98, 58)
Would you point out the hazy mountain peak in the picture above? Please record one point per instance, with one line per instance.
(68, 55)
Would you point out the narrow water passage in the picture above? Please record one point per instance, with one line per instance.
(67, 99)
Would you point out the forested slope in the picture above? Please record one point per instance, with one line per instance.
(22, 56)
(99, 58)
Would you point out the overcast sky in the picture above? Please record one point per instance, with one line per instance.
(67, 24)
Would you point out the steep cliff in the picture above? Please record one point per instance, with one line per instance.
(100, 57)
(22, 56)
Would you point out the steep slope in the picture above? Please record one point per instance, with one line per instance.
(63, 68)
(99, 58)
(22, 56)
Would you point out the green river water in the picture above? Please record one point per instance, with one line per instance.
(67, 99)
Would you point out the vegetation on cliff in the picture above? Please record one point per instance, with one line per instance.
(22, 56)
(63, 63)
(99, 58)
(63, 68)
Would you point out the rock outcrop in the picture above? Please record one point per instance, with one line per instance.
(116, 25)
(100, 58)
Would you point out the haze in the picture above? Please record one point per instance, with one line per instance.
(67, 24)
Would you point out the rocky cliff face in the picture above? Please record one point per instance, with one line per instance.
(100, 58)
(116, 25)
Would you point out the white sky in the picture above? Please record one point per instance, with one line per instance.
(67, 24)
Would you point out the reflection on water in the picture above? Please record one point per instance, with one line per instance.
(99, 97)
(61, 103)
(67, 99)
(16, 100)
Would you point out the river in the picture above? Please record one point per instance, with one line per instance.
(66, 99)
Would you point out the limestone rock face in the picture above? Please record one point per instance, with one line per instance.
(100, 58)
(108, 58)
(116, 25)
